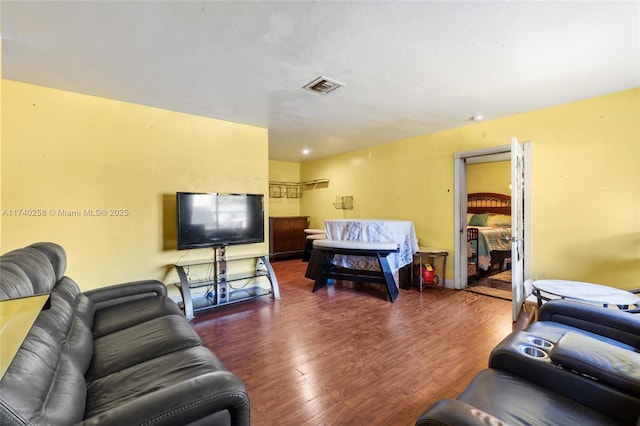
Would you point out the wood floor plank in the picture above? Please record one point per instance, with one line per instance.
(345, 355)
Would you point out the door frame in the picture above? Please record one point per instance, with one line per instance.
(486, 155)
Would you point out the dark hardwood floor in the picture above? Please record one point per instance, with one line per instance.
(344, 356)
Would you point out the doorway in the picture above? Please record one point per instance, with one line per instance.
(522, 238)
(489, 230)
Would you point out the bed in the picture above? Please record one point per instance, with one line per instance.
(488, 232)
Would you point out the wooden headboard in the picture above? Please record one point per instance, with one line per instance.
(488, 202)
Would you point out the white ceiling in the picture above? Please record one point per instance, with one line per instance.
(409, 68)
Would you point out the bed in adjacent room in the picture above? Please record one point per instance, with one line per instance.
(488, 232)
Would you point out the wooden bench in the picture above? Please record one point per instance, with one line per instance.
(321, 266)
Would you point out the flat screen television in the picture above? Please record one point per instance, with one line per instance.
(217, 220)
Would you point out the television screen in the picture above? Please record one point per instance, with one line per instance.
(216, 220)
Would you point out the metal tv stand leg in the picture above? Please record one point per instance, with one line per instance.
(263, 261)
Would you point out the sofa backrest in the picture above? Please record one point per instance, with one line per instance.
(31, 270)
(45, 385)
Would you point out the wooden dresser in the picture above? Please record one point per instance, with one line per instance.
(286, 236)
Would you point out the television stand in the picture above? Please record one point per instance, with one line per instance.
(206, 284)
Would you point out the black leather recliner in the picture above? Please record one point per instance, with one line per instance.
(118, 355)
(578, 365)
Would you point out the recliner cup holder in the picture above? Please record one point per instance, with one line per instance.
(539, 342)
(533, 351)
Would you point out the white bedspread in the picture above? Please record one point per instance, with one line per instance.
(374, 230)
(490, 239)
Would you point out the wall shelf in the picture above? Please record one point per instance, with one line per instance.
(293, 189)
(312, 184)
(284, 189)
(275, 191)
(344, 203)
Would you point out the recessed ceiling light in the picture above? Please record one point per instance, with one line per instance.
(305, 151)
(477, 118)
(323, 85)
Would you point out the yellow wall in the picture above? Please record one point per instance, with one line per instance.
(0, 140)
(63, 151)
(283, 171)
(586, 185)
(489, 177)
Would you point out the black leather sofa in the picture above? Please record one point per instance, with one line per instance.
(119, 355)
(578, 365)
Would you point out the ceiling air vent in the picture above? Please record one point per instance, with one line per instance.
(323, 85)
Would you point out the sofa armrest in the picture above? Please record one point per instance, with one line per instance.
(453, 412)
(606, 363)
(126, 292)
(612, 323)
(521, 355)
(204, 397)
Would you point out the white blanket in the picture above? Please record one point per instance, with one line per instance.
(374, 230)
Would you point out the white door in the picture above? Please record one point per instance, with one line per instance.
(460, 258)
(517, 226)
